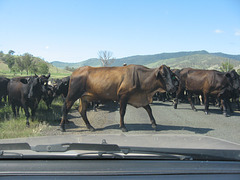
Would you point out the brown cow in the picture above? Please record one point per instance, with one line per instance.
(205, 82)
(132, 84)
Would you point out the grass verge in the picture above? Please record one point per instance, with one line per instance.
(11, 127)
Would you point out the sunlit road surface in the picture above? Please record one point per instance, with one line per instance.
(170, 121)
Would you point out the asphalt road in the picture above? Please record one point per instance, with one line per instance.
(170, 121)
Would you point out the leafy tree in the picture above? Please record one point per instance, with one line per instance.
(70, 68)
(19, 64)
(27, 61)
(43, 68)
(226, 67)
(10, 60)
(15, 69)
(1, 55)
(11, 52)
(33, 68)
(106, 58)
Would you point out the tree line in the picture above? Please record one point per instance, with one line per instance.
(25, 62)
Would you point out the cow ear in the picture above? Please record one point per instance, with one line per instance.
(48, 76)
(157, 74)
(228, 75)
(24, 81)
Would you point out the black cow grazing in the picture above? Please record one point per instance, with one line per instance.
(3, 87)
(26, 93)
(205, 82)
(132, 84)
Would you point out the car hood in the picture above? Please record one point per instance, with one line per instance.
(144, 140)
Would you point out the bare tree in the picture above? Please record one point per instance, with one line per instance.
(106, 58)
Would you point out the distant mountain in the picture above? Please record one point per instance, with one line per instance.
(197, 59)
(147, 59)
(236, 57)
(90, 62)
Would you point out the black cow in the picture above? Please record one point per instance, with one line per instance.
(235, 82)
(3, 87)
(48, 96)
(26, 92)
(61, 87)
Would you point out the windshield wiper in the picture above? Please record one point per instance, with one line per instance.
(5, 150)
(105, 150)
(15, 146)
(194, 154)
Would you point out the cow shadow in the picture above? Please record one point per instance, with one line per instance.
(160, 104)
(147, 127)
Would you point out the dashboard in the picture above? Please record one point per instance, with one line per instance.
(118, 169)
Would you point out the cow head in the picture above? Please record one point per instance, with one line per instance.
(234, 79)
(44, 83)
(61, 86)
(167, 77)
(35, 89)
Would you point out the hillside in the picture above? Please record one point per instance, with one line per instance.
(199, 61)
(55, 72)
(90, 62)
(195, 59)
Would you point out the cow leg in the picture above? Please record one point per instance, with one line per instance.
(149, 111)
(229, 105)
(83, 111)
(190, 101)
(223, 105)
(14, 110)
(33, 112)
(65, 109)
(206, 100)
(178, 93)
(123, 105)
(238, 105)
(27, 114)
(18, 107)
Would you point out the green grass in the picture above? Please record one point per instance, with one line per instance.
(53, 75)
(11, 127)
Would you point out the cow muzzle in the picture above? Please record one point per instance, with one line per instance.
(30, 94)
(171, 88)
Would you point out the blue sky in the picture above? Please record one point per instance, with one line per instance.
(76, 30)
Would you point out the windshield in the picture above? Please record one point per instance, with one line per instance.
(146, 74)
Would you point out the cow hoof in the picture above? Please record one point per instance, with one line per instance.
(62, 129)
(154, 126)
(226, 114)
(175, 106)
(195, 110)
(27, 124)
(124, 129)
(206, 112)
(92, 129)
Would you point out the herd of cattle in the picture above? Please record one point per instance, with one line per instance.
(133, 84)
